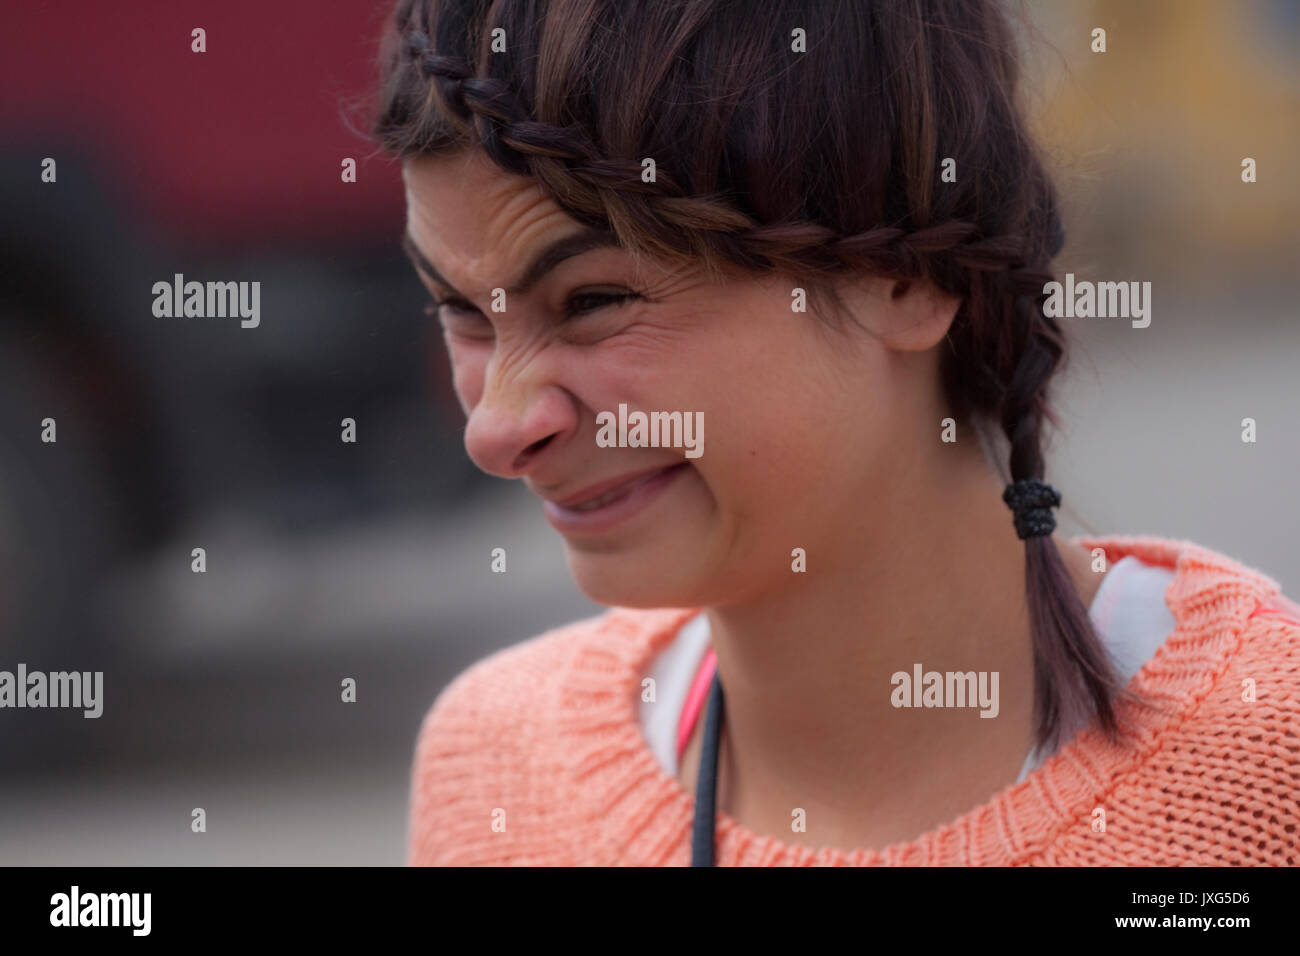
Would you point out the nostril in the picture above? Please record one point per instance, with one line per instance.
(532, 450)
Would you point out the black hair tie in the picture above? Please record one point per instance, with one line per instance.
(1031, 501)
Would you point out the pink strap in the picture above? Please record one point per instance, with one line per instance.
(695, 699)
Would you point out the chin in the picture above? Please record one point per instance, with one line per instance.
(636, 579)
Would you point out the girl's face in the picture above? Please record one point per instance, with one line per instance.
(806, 431)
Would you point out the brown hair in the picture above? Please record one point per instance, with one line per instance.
(816, 163)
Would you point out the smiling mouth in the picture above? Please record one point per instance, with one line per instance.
(603, 499)
(610, 506)
(621, 491)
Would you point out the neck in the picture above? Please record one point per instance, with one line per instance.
(807, 669)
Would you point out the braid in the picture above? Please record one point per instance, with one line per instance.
(448, 73)
(601, 190)
(1074, 676)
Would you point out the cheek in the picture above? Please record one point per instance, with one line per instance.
(784, 421)
(644, 369)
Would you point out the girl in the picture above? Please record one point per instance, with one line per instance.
(842, 628)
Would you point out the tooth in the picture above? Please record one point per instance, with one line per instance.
(612, 494)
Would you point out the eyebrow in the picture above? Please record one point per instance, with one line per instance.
(547, 259)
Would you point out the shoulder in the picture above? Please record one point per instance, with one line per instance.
(1233, 620)
(1268, 652)
(502, 689)
(1214, 776)
(1240, 746)
(482, 745)
(1246, 632)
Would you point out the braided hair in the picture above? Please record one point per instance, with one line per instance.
(816, 162)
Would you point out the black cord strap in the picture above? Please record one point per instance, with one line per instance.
(706, 796)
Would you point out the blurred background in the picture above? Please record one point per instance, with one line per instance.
(370, 560)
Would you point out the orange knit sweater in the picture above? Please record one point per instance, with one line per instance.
(533, 756)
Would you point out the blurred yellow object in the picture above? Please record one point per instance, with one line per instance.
(1150, 136)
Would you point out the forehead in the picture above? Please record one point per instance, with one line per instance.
(473, 219)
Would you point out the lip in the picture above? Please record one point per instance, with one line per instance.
(593, 491)
(643, 487)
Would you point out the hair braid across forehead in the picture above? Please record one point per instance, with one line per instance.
(448, 73)
(614, 192)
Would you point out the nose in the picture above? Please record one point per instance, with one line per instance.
(515, 423)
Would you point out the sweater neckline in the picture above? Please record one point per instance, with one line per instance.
(615, 774)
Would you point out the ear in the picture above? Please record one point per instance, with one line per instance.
(912, 314)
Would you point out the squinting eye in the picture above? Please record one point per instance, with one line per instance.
(596, 300)
(460, 319)
(455, 305)
(581, 303)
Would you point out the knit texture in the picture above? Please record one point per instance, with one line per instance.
(533, 756)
